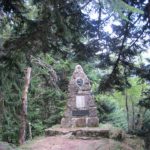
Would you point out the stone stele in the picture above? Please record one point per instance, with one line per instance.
(80, 110)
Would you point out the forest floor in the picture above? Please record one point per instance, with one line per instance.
(62, 142)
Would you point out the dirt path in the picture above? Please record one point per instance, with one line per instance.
(63, 143)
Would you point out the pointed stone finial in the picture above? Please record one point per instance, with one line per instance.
(78, 68)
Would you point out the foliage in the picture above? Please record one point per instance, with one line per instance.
(112, 106)
(146, 125)
(52, 37)
(144, 74)
(145, 102)
(45, 102)
(110, 112)
(10, 86)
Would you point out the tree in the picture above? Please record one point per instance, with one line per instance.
(22, 136)
(144, 72)
(60, 26)
(125, 44)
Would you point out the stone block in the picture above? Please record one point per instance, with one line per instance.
(67, 113)
(92, 122)
(65, 122)
(78, 122)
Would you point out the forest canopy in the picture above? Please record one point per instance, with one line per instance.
(66, 28)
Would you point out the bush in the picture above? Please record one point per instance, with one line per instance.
(109, 112)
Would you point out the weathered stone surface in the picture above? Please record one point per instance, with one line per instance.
(80, 98)
(78, 122)
(92, 112)
(6, 146)
(91, 102)
(79, 132)
(91, 133)
(92, 122)
(65, 122)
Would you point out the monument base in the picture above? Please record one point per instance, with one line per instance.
(80, 122)
(79, 132)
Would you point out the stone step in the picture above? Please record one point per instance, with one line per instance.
(79, 132)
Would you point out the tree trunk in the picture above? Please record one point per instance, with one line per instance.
(22, 134)
(140, 118)
(1, 112)
(30, 131)
(127, 108)
(133, 116)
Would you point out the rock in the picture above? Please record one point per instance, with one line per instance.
(117, 134)
(65, 122)
(6, 146)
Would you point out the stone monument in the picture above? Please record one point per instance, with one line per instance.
(81, 110)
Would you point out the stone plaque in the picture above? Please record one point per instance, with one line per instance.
(80, 112)
(80, 101)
